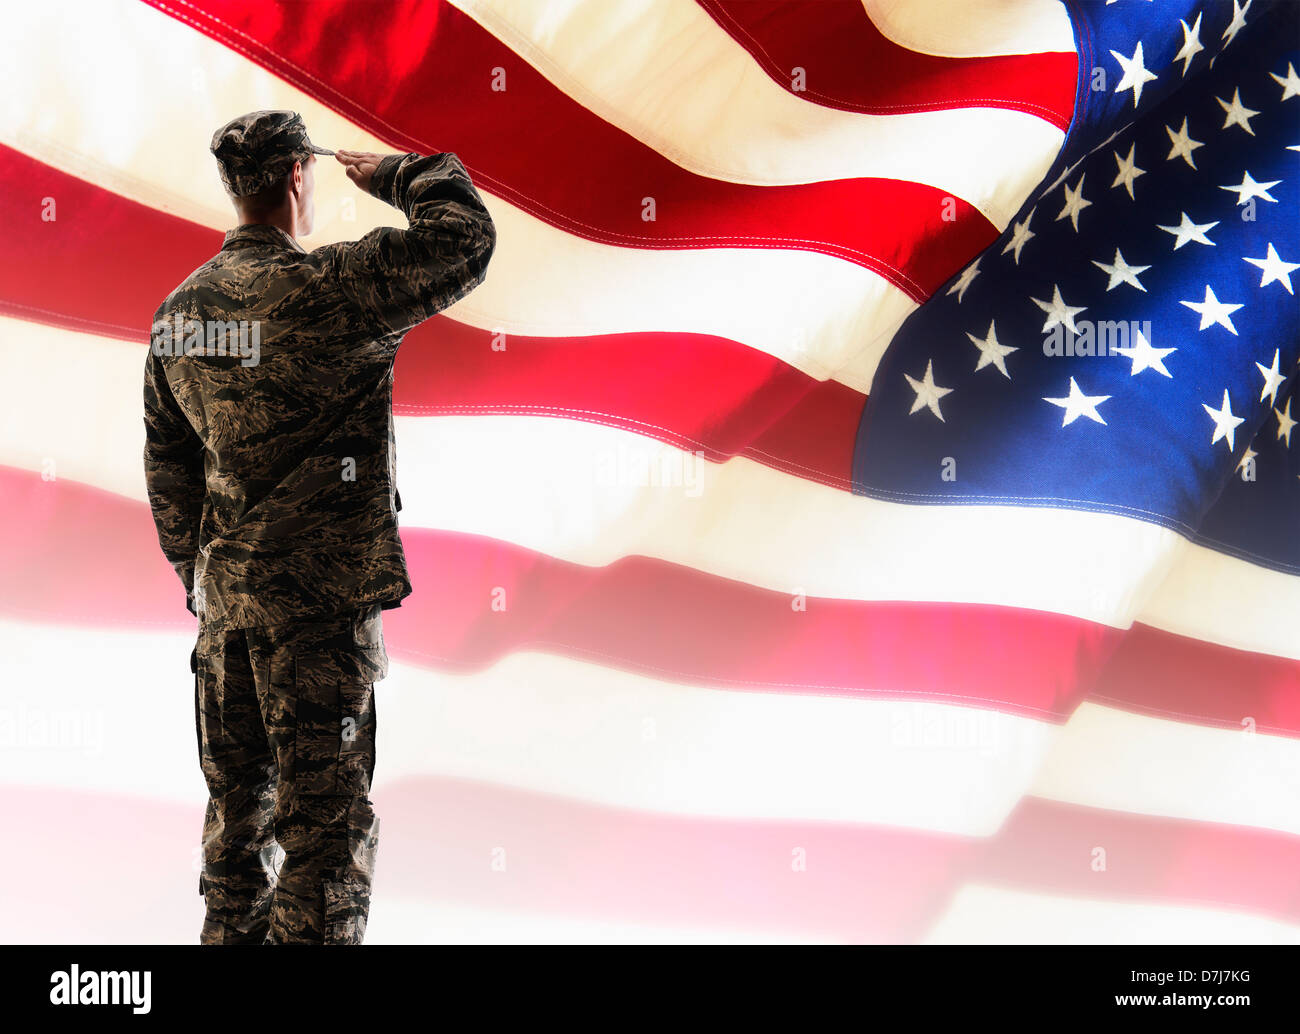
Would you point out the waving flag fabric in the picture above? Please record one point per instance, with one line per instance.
(860, 505)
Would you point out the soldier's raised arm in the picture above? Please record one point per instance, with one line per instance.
(402, 277)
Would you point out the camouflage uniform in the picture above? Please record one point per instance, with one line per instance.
(271, 480)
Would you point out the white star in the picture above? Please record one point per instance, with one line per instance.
(991, 352)
(1238, 22)
(1121, 272)
(1184, 145)
(1135, 73)
(1077, 404)
(928, 393)
(1074, 203)
(1020, 234)
(1187, 230)
(1058, 312)
(1248, 189)
(1213, 311)
(1275, 270)
(1272, 380)
(1128, 170)
(1191, 43)
(1237, 113)
(1285, 423)
(1145, 357)
(1291, 84)
(967, 275)
(1225, 424)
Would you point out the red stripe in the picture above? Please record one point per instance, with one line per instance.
(852, 66)
(867, 882)
(78, 256)
(571, 859)
(663, 620)
(649, 383)
(1167, 675)
(676, 623)
(537, 148)
(700, 393)
(1052, 847)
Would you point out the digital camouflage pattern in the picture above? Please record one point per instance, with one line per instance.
(256, 149)
(269, 461)
(285, 720)
(271, 474)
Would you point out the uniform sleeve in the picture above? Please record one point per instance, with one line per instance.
(173, 473)
(400, 278)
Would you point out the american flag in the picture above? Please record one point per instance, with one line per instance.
(862, 503)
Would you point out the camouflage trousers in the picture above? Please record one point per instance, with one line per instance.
(285, 719)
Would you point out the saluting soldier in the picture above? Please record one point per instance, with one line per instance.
(270, 471)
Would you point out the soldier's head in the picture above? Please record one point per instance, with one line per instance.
(267, 165)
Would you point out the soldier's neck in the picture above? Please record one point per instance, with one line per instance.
(285, 221)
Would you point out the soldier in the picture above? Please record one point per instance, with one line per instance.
(269, 460)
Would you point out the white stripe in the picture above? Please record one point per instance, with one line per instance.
(663, 71)
(596, 493)
(1222, 599)
(974, 28)
(591, 494)
(124, 703)
(1108, 758)
(981, 914)
(101, 708)
(142, 129)
(72, 406)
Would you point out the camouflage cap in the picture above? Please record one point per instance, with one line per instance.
(256, 149)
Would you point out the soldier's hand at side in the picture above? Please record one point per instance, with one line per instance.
(360, 166)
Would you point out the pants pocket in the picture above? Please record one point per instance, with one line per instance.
(347, 906)
(347, 889)
(357, 749)
(334, 728)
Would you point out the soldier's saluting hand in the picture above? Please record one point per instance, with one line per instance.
(361, 166)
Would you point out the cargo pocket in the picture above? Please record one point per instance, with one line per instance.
(347, 890)
(334, 727)
(318, 721)
(207, 711)
(347, 905)
(357, 746)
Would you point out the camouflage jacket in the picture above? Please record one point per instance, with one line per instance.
(269, 454)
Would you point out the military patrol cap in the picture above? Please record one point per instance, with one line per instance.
(256, 149)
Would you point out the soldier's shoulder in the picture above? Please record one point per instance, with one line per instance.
(181, 297)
